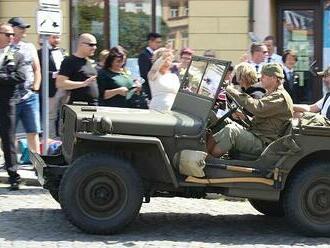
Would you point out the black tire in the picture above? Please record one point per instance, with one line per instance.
(101, 194)
(269, 208)
(54, 194)
(307, 200)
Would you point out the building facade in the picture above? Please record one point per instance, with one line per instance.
(300, 25)
(225, 26)
(27, 10)
(219, 25)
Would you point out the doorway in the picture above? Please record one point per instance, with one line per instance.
(300, 29)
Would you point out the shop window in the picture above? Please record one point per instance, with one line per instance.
(117, 22)
(326, 34)
(133, 26)
(88, 17)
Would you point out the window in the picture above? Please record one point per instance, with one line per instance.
(122, 6)
(184, 39)
(174, 11)
(117, 22)
(186, 11)
(88, 17)
(134, 24)
(139, 7)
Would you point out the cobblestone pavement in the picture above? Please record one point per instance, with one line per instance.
(31, 218)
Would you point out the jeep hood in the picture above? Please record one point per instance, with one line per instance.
(141, 121)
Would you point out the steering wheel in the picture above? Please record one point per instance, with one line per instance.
(233, 107)
(246, 122)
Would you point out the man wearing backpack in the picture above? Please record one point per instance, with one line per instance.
(322, 106)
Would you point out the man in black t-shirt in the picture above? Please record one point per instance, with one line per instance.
(78, 75)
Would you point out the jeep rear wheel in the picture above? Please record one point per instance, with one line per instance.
(269, 208)
(101, 194)
(307, 200)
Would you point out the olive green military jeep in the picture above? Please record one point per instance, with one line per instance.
(113, 159)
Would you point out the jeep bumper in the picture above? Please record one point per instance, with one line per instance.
(47, 167)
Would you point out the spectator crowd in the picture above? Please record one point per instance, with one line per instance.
(77, 79)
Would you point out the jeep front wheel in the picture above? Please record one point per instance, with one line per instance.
(101, 194)
(307, 200)
(269, 208)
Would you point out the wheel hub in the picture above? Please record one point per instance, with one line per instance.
(318, 200)
(101, 196)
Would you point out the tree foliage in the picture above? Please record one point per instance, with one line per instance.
(133, 30)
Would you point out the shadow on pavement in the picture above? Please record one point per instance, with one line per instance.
(51, 225)
(24, 190)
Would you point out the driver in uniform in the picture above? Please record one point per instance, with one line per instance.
(271, 114)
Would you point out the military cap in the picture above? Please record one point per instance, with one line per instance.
(273, 69)
(324, 73)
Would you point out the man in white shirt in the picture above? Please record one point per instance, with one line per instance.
(321, 106)
(259, 54)
(56, 96)
(269, 41)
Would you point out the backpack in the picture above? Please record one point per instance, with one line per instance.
(24, 150)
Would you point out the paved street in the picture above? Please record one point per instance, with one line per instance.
(31, 218)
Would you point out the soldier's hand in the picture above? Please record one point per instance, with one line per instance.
(238, 115)
(297, 115)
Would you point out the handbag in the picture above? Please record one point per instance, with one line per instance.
(138, 100)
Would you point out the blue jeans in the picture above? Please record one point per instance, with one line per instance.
(28, 112)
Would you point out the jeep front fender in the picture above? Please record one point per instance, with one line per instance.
(137, 140)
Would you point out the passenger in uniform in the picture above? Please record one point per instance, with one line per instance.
(271, 113)
(11, 75)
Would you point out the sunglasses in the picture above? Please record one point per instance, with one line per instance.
(91, 44)
(7, 34)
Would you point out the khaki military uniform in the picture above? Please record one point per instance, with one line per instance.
(272, 113)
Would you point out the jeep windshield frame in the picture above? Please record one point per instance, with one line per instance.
(208, 67)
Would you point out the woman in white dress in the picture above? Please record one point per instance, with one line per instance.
(164, 85)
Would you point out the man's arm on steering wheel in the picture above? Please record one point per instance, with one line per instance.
(264, 107)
